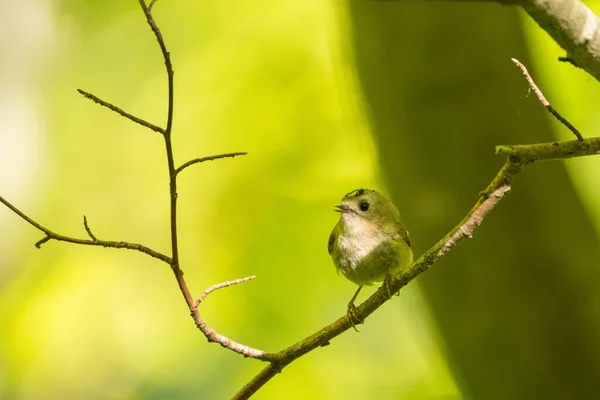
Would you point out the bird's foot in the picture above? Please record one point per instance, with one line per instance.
(352, 318)
(387, 282)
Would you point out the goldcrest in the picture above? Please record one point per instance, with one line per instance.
(369, 242)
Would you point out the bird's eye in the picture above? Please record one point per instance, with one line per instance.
(364, 206)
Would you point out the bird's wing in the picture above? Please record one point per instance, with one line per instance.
(403, 233)
(330, 242)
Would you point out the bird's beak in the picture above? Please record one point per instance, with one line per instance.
(342, 209)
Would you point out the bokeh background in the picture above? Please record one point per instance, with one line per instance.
(406, 97)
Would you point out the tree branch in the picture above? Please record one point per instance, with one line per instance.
(214, 336)
(209, 158)
(94, 242)
(88, 230)
(122, 113)
(208, 332)
(545, 102)
(173, 261)
(518, 158)
(573, 26)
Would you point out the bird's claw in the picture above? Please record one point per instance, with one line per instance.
(387, 283)
(352, 318)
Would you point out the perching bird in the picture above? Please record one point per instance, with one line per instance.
(369, 241)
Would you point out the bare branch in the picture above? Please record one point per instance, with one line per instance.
(474, 220)
(102, 243)
(166, 57)
(489, 198)
(119, 111)
(221, 286)
(545, 102)
(518, 158)
(213, 336)
(209, 158)
(88, 230)
(40, 242)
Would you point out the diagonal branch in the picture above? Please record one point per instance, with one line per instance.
(94, 242)
(209, 158)
(221, 285)
(119, 111)
(545, 102)
(518, 158)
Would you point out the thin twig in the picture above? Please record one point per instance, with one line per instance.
(221, 286)
(211, 334)
(119, 111)
(151, 5)
(209, 158)
(170, 157)
(40, 242)
(175, 267)
(545, 102)
(166, 57)
(214, 336)
(102, 243)
(88, 230)
(569, 60)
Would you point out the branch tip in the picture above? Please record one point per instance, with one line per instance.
(209, 158)
(221, 286)
(40, 242)
(88, 230)
(545, 102)
(119, 111)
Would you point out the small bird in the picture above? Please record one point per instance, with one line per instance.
(369, 242)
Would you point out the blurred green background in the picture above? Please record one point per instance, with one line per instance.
(406, 97)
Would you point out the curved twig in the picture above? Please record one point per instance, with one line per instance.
(94, 242)
(221, 286)
(88, 230)
(209, 158)
(214, 336)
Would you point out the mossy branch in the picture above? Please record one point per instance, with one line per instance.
(518, 158)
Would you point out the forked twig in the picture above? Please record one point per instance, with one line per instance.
(209, 333)
(94, 242)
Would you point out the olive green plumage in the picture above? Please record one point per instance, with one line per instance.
(369, 240)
